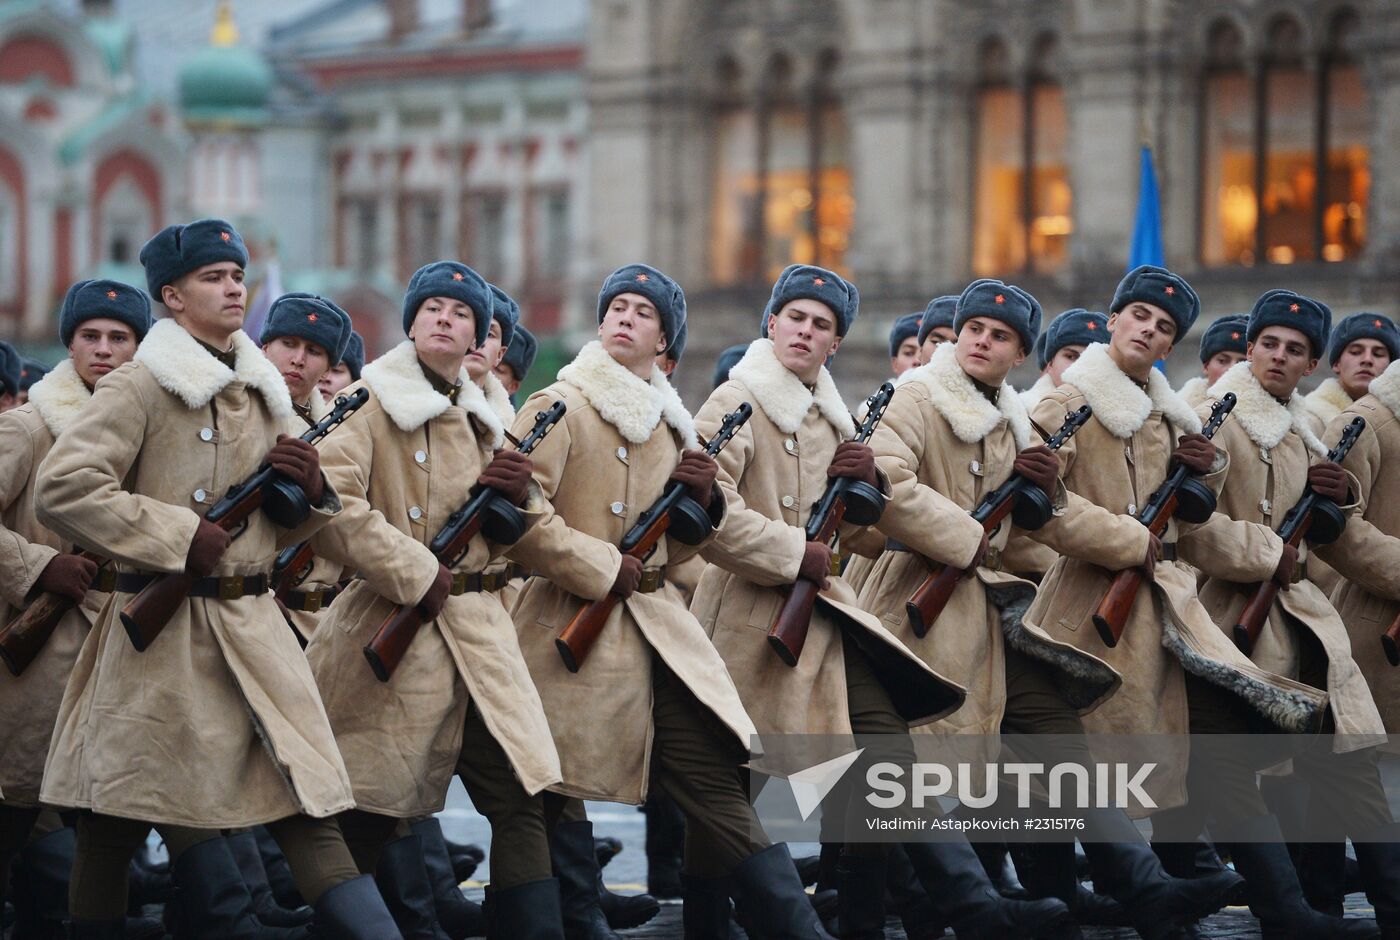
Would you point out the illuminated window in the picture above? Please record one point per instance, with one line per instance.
(783, 192)
(1023, 204)
(1266, 131)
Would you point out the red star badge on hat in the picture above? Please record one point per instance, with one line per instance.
(1000, 298)
(643, 277)
(311, 317)
(1170, 290)
(111, 295)
(1292, 308)
(456, 275)
(1092, 325)
(1235, 335)
(225, 236)
(1378, 324)
(818, 281)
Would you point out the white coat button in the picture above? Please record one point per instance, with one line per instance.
(415, 513)
(420, 456)
(790, 444)
(206, 434)
(975, 466)
(622, 453)
(1265, 506)
(618, 508)
(789, 502)
(1132, 509)
(200, 496)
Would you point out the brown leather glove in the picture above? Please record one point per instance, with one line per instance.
(853, 461)
(1039, 465)
(629, 575)
(1287, 571)
(697, 471)
(1329, 480)
(68, 575)
(816, 564)
(299, 462)
(1154, 552)
(206, 548)
(432, 603)
(509, 474)
(1195, 451)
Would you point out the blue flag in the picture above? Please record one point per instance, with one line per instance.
(1147, 230)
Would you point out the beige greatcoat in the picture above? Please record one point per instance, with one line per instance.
(29, 704)
(402, 464)
(1115, 462)
(600, 469)
(218, 723)
(772, 473)
(1368, 553)
(944, 446)
(1271, 448)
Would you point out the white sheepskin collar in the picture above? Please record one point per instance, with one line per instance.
(1328, 400)
(59, 396)
(410, 400)
(186, 370)
(1031, 397)
(967, 411)
(1385, 387)
(631, 404)
(783, 396)
(1265, 420)
(1119, 404)
(498, 398)
(1195, 391)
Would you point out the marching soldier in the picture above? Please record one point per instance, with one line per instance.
(1060, 345)
(625, 436)
(1363, 346)
(853, 677)
(1222, 345)
(9, 376)
(1273, 456)
(936, 325)
(30, 371)
(101, 323)
(218, 722)
(347, 370)
(305, 336)
(515, 365)
(725, 362)
(461, 699)
(1179, 671)
(953, 432)
(904, 343)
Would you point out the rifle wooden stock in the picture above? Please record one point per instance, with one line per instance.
(788, 634)
(390, 642)
(1390, 642)
(1254, 614)
(1111, 616)
(929, 598)
(576, 640)
(23, 637)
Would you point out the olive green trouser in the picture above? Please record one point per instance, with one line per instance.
(16, 822)
(315, 851)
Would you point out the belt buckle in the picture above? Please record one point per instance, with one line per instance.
(459, 584)
(312, 602)
(231, 587)
(835, 564)
(106, 581)
(651, 580)
(1300, 570)
(993, 559)
(490, 583)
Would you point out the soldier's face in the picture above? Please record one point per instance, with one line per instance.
(936, 337)
(1359, 363)
(804, 335)
(988, 349)
(301, 362)
(209, 302)
(1219, 364)
(906, 356)
(1064, 357)
(631, 331)
(99, 346)
(1280, 357)
(1140, 334)
(334, 380)
(507, 376)
(444, 330)
(488, 355)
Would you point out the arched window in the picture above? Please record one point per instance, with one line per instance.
(1023, 204)
(1284, 162)
(782, 184)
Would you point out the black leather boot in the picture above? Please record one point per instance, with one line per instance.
(465, 857)
(625, 911)
(403, 881)
(459, 916)
(527, 912)
(958, 886)
(97, 929)
(1379, 861)
(1322, 871)
(1048, 870)
(907, 900)
(40, 874)
(860, 883)
(576, 867)
(996, 861)
(213, 901)
(244, 846)
(705, 908)
(1275, 896)
(773, 899)
(664, 842)
(353, 910)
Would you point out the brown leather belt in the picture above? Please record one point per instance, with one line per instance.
(653, 579)
(225, 589)
(993, 561)
(312, 601)
(1168, 552)
(105, 582)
